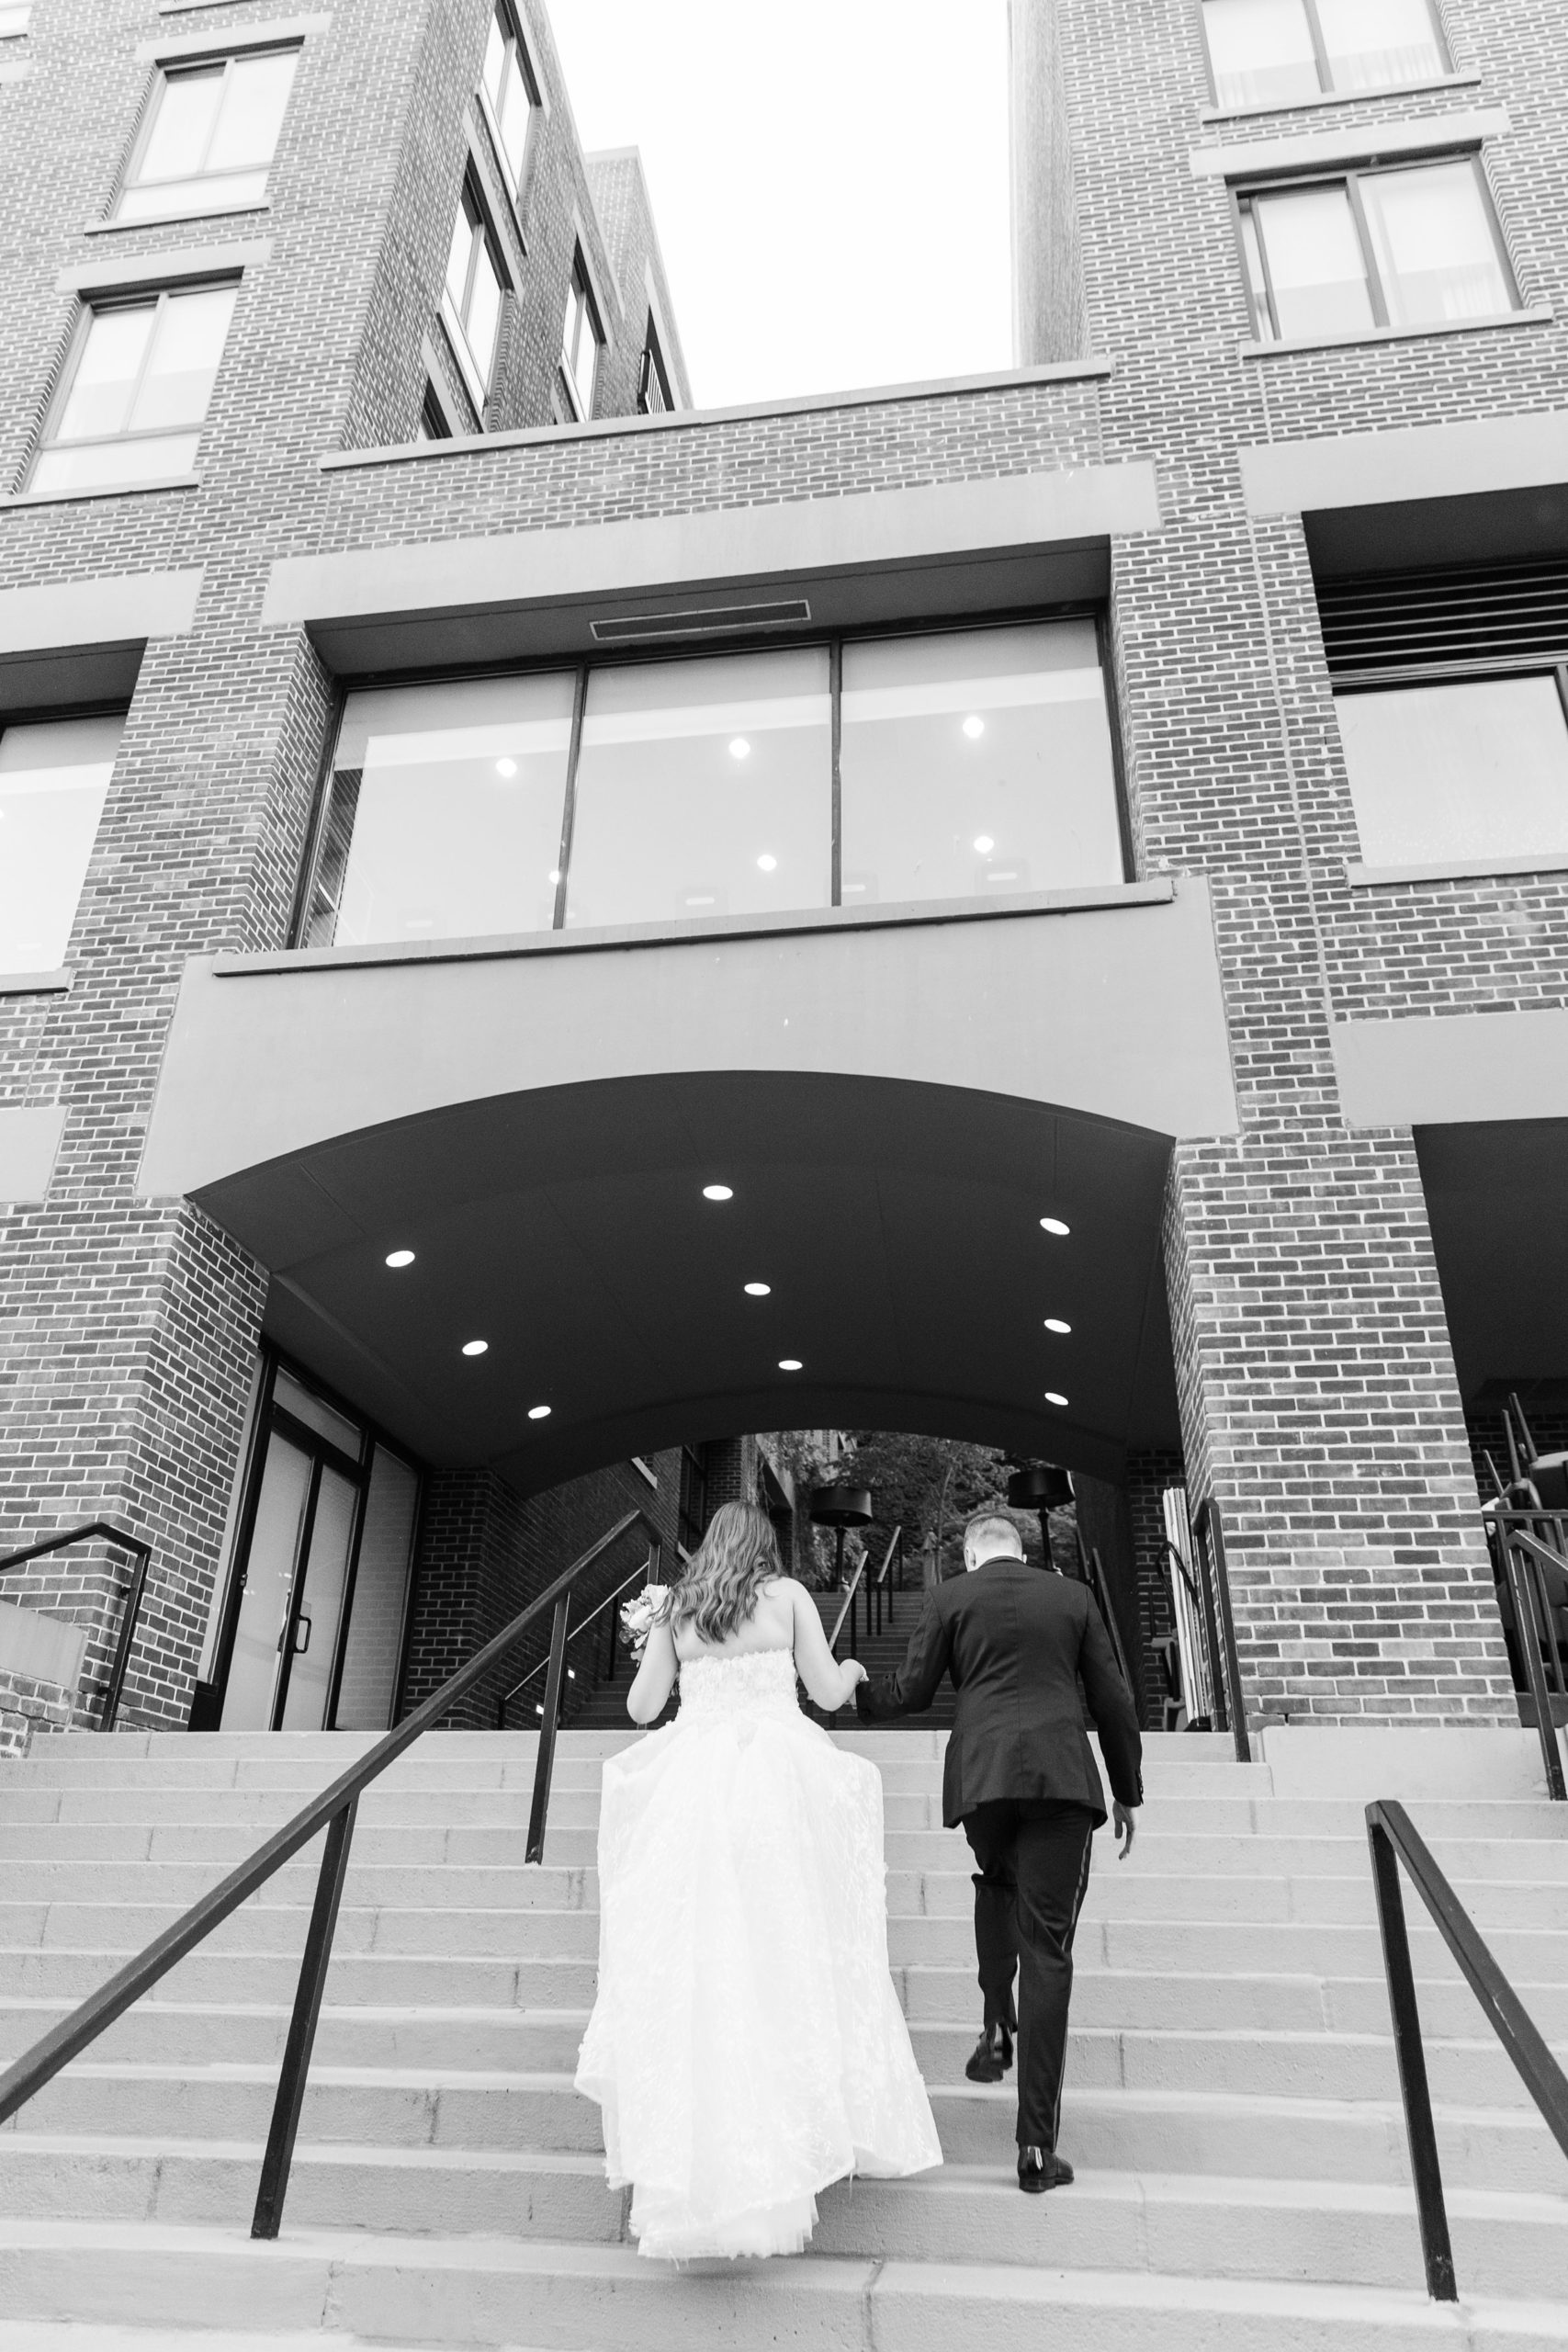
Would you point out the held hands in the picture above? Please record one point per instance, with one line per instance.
(1123, 1827)
(854, 1674)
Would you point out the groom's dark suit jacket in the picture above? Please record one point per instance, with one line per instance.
(1015, 1640)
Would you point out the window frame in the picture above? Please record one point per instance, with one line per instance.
(178, 69)
(141, 297)
(1413, 674)
(478, 382)
(633, 656)
(51, 713)
(581, 282)
(1327, 88)
(652, 370)
(520, 60)
(1243, 197)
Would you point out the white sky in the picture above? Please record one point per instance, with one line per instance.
(830, 180)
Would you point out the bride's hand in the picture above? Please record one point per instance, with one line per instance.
(854, 1674)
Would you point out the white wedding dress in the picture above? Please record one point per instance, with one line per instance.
(746, 2047)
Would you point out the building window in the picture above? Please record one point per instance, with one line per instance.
(211, 134)
(972, 764)
(136, 389)
(432, 424)
(1287, 52)
(654, 397)
(692, 1517)
(510, 93)
(472, 298)
(54, 781)
(1469, 769)
(1408, 248)
(583, 339)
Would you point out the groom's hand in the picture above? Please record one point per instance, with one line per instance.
(1123, 1828)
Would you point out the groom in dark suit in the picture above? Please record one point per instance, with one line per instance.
(1021, 1776)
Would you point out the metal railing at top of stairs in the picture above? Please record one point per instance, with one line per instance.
(334, 1811)
(878, 1588)
(1219, 1627)
(1394, 1839)
(594, 1615)
(141, 1551)
(1529, 1559)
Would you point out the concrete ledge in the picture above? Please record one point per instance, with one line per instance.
(45, 1648)
(30, 1139)
(165, 269)
(100, 612)
(1363, 143)
(1456, 1069)
(1484, 1760)
(1424, 461)
(1432, 86)
(1454, 869)
(261, 34)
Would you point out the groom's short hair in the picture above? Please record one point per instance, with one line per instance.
(992, 1527)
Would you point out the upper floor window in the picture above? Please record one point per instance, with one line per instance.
(136, 389)
(1287, 52)
(432, 424)
(583, 339)
(471, 299)
(653, 394)
(15, 20)
(1414, 247)
(211, 134)
(972, 764)
(510, 93)
(54, 781)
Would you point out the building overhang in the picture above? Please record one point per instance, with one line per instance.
(941, 550)
(81, 640)
(896, 1106)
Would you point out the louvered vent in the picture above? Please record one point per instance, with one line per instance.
(1503, 617)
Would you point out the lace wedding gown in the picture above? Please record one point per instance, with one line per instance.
(746, 2047)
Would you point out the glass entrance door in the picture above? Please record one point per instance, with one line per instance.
(323, 1572)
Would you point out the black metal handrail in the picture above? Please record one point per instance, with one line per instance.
(1523, 1562)
(1394, 1839)
(100, 1530)
(1196, 1598)
(1094, 1576)
(334, 1811)
(858, 1584)
(541, 1665)
(1219, 1627)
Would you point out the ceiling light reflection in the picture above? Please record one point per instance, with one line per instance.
(538, 1412)
(506, 767)
(1055, 1323)
(1055, 1396)
(739, 749)
(759, 1290)
(974, 728)
(791, 1363)
(1054, 1225)
(767, 865)
(400, 1256)
(476, 1347)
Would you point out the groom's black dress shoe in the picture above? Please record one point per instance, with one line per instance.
(992, 2055)
(1042, 2168)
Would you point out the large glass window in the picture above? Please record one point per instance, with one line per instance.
(1288, 52)
(704, 788)
(582, 340)
(443, 816)
(972, 764)
(977, 764)
(211, 132)
(509, 92)
(470, 301)
(1473, 769)
(136, 389)
(54, 780)
(1413, 247)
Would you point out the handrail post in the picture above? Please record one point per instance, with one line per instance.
(1437, 2249)
(544, 1765)
(290, 2099)
(130, 1618)
(1522, 1580)
(1211, 1554)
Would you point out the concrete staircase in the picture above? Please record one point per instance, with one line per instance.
(1232, 2106)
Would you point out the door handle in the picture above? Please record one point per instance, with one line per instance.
(302, 1626)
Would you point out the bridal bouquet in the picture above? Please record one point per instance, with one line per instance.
(641, 1614)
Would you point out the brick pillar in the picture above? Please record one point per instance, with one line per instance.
(730, 1465)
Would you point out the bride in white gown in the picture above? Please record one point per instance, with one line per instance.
(746, 2047)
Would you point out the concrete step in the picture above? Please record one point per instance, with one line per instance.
(1110, 2127)
(1180, 2224)
(1469, 2071)
(489, 2290)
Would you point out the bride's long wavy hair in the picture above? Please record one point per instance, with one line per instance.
(734, 1559)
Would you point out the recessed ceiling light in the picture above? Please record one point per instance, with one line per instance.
(538, 1412)
(984, 843)
(759, 1290)
(400, 1256)
(974, 728)
(1054, 1225)
(506, 767)
(790, 1363)
(1055, 1323)
(555, 874)
(476, 1347)
(767, 865)
(739, 748)
(717, 1193)
(1055, 1396)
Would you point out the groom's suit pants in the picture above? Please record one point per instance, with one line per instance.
(1033, 1858)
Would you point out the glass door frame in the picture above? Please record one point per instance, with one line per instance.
(269, 1416)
